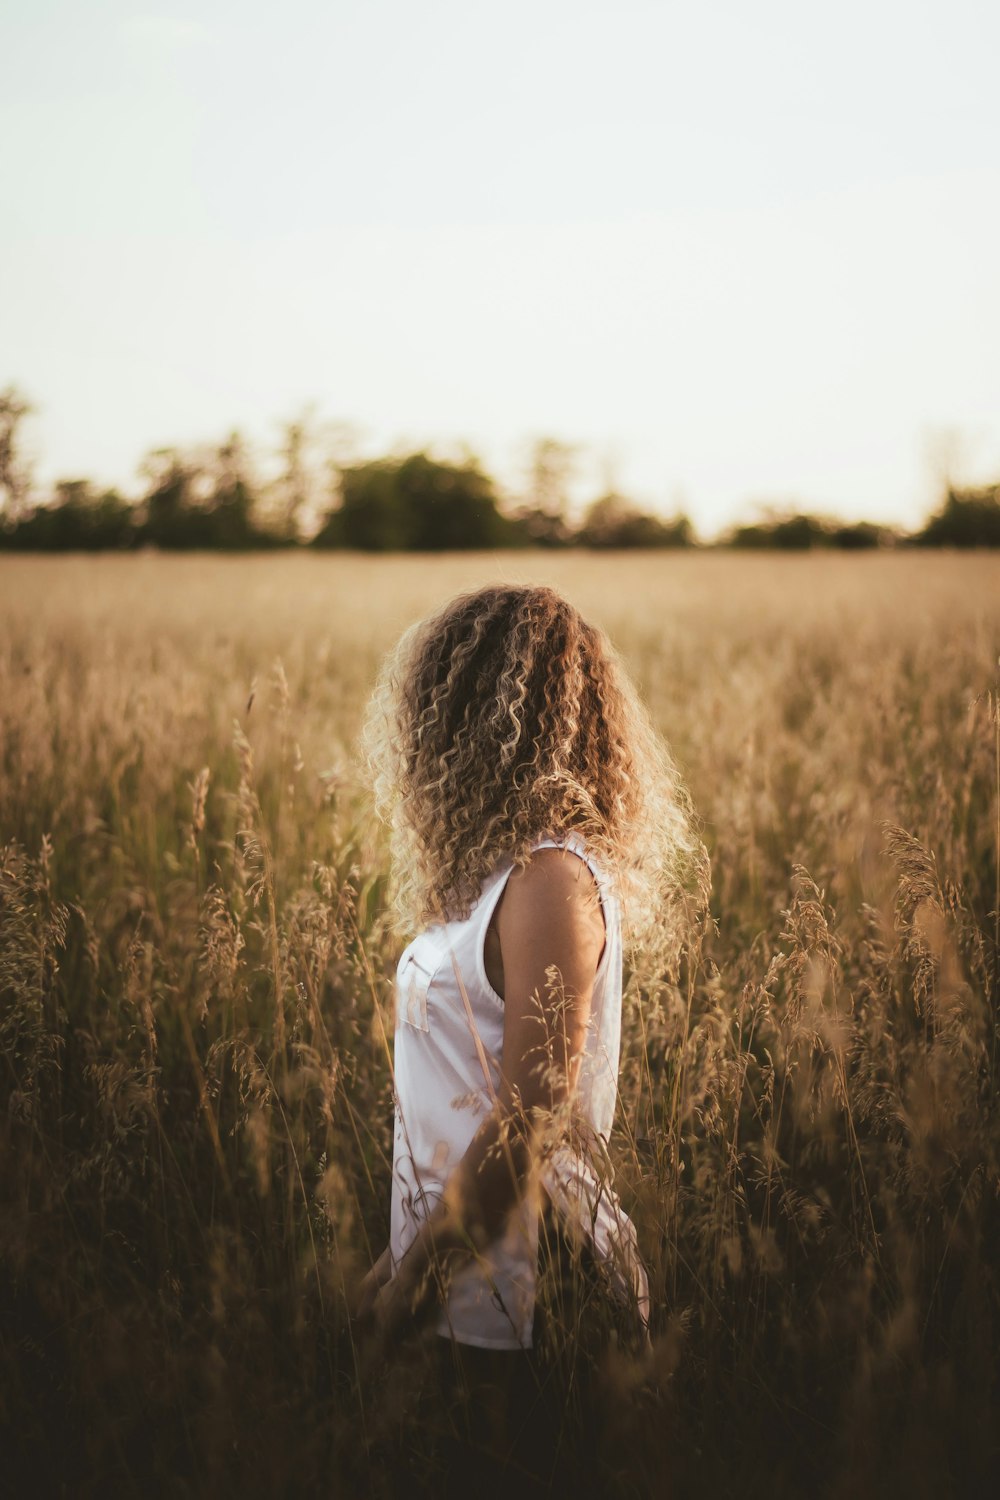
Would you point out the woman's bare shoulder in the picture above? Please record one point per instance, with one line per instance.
(552, 888)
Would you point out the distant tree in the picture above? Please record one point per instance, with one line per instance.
(369, 516)
(604, 519)
(311, 454)
(677, 531)
(542, 519)
(77, 518)
(796, 533)
(200, 500)
(800, 533)
(415, 503)
(338, 443)
(173, 507)
(531, 527)
(968, 518)
(450, 505)
(552, 465)
(15, 469)
(294, 485)
(613, 521)
(230, 508)
(858, 535)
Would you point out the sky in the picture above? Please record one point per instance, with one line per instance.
(741, 254)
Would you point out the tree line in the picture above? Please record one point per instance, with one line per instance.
(215, 498)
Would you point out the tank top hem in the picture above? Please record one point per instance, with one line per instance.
(482, 1341)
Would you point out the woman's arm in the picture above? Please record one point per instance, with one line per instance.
(551, 934)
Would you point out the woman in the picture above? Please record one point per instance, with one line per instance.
(537, 823)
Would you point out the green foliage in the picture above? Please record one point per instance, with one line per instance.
(15, 470)
(193, 503)
(542, 520)
(415, 504)
(612, 521)
(533, 526)
(215, 500)
(862, 536)
(968, 518)
(802, 533)
(79, 519)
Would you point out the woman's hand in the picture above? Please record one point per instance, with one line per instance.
(389, 1308)
(391, 1311)
(371, 1285)
(388, 1300)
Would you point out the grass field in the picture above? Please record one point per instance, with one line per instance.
(196, 1121)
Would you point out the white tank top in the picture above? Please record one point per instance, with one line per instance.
(448, 1046)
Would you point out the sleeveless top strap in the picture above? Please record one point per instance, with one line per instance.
(494, 887)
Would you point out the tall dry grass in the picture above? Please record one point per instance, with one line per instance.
(196, 1006)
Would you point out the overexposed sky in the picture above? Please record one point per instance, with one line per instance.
(743, 253)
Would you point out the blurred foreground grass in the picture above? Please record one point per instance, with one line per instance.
(195, 1134)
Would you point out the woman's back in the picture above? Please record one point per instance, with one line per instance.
(448, 1047)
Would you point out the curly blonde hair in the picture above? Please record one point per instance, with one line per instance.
(505, 718)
